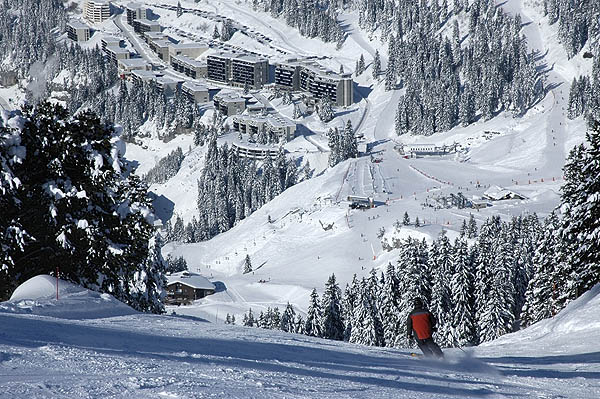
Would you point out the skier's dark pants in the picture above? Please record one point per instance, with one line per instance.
(429, 347)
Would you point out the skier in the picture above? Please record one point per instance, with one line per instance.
(421, 325)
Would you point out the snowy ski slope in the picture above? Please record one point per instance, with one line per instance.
(86, 345)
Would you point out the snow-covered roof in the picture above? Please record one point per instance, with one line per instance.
(193, 280)
(194, 86)
(134, 62)
(78, 25)
(146, 22)
(239, 56)
(111, 39)
(497, 193)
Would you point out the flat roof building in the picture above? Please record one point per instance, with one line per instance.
(135, 11)
(117, 53)
(272, 124)
(96, 11)
(229, 103)
(238, 69)
(188, 66)
(78, 31)
(307, 75)
(253, 150)
(142, 75)
(150, 36)
(127, 66)
(161, 48)
(195, 92)
(110, 41)
(141, 26)
(167, 85)
(191, 50)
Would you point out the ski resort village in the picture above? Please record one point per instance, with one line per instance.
(300, 199)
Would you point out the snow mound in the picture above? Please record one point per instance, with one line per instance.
(42, 287)
(38, 296)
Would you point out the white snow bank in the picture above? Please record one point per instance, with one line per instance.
(38, 296)
(42, 287)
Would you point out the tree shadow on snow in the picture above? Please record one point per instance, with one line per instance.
(514, 363)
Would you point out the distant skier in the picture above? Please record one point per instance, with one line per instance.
(421, 325)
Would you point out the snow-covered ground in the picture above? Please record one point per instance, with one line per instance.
(87, 345)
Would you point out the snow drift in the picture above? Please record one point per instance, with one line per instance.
(38, 296)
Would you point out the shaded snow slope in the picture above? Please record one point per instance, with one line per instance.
(149, 356)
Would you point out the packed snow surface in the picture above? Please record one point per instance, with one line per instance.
(133, 355)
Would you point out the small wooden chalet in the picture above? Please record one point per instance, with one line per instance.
(495, 193)
(185, 287)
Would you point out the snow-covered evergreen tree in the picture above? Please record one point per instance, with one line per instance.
(86, 215)
(462, 286)
(247, 264)
(376, 65)
(313, 325)
(288, 318)
(333, 326)
(580, 227)
(390, 303)
(542, 292)
(441, 272)
(325, 109)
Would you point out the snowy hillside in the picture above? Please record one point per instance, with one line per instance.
(63, 354)
(295, 253)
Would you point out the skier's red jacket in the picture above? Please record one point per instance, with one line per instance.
(422, 322)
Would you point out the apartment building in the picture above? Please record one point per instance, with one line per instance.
(141, 26)
(251, 70)
(151, 36)
(275, 124)
(117, 54)
(218, 68)
(135, 11)
(307, 75)
(253, 150)
(238, 69)
(78, 31)
(110, 41)
(96, 11)
(188, 66)
(144, 76)
(167, 85)
(229, 103)
(161, 48)
(195, 92)
(191, 50)
(127, 66)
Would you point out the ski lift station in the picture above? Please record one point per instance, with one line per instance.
(415, 150)
(357, 202)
